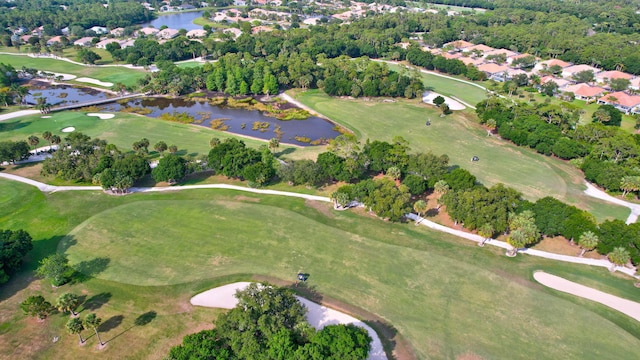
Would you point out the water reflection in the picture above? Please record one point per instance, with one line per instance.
(61, 94)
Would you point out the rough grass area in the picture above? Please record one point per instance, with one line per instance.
(109, 74)
(461, 138)
(447, 297)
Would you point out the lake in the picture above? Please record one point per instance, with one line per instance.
(239, 121)
(61, 94)
(183, 20)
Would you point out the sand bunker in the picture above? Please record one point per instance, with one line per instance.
(318, 316)
(94, 82)
(102, 116)
(45, 117)
(428, 97)
(63, 76)
(68, 129)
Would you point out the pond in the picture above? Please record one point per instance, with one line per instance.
(61, 94)
(252, 123)
(183, 20)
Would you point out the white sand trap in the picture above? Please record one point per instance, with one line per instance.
(68, 129)
(627, 307)
(45, 117)
(65, 77)
(94, 81)
(318, 316)
(102, 116)
(428, 97)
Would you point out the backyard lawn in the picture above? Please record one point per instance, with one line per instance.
(446, 297)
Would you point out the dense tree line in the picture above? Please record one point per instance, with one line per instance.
(85, 13)
(145, 52)
(607, 154)
(14, 245)
(269, 323)
(12, 151)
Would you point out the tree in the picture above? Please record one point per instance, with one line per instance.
(440, 187)
(588, 241)
(585, 76)
(33, 141)
(446, 110)
(629, 184)
(438, 100)
(619, 84)
(173, 149)
(420, 207)
(160, 147)
(170, 168)
(37, 306)
(87, 56)
(47, 136)
(394, 172)
(55, 268)
(274, 144)
(68, 302)
(14, 245)
(550, 88)
(214, 142)
(486, 231)
(93, 321)
(607, 115)
(75, 326)
(523, 231)
(619, 256)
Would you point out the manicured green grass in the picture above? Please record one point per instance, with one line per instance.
(461, 138)
(109, 74)
(446, 296)
(450, 87)
(122, 130)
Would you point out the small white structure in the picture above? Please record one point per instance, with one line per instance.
(103, 44)
(85, 41)
(99, 30)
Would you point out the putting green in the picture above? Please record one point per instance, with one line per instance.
(446, 298)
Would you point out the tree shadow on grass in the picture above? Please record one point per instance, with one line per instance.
(387, 334)
(141, 320)
(306, 291)
(111, 323)
(88, 269)
(285, 151)
(96, 301)
(145, 318)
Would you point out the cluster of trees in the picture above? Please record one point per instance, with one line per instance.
(607, 154)
(427, 60)
(12, 151)
(234, 159)
(84, 13)
(269, 323)
(83, 159)
(145, 52)
(14, 245)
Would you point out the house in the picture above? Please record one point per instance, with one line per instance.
(480, 48)
(103, 44)
(471, 61)
(85, 41)
(239, 3)
(635, 84)
(458, 45)
(570, 71)
(494, 71)
(117, 32)
(547, 64)
(53, 40)
(450, 56)
(311, 21)
(126, 44)
(496, 52)
(622, 101)
(584, 91)
(65, 31)
(99, 30)
(167, 33)
(511, 72)
(234, 31)
(259, 29)
(605, 76)
(197, 33)
(511, 59)
(562, 83)
(147, 31)
(25, 38)
(37, 31)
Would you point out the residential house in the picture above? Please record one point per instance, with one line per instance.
(471, 61)
(458, 45)
(197, 33)
(511, 59)
(259, 29)
(234, 31)
(103, 44)
(547, 64)
(494, 71)
(562, 83)
(496, 52)
(126, 44)
(37, 31)
(511, 72)
(481, 48)
(622, 101)
(146, 31)
(25, 38)
(99, 30)
(167, 33)
(53, 40)
(605, 76)
(85, 41)
(450, 56)
(635, 84)
(584, 92)
(569, 71)
(65, 31)
(117, 32)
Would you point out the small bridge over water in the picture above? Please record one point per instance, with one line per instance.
(95, 102)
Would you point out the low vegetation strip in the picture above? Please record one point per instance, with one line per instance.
(627, 307)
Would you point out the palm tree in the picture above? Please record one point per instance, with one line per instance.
(68, 302)
(55, 139)
(588, 241)
(629, 184)
(420, 207)
(173, 149)
(619, 256)
(441, 187)
(75, 326)
(394, 172)
(486, 231)
(523, 231)
(214, 142)
(33, 141)
(47, 136)
(93, 322)
(160, 147)
(274, 143)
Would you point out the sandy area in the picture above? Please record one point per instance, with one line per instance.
(627, 307)
(428, 97)
(102, 116)
(45, 117)
(317, 315)
(65, 77)
(18, 113)
(94, 81)
(68, 129)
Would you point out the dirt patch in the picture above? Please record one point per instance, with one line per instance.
(560, 245)
(321, 206)
(469, 356)
(246, 199)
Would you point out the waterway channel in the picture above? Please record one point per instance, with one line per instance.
(182, 20)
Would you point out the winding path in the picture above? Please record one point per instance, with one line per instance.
(462, 234)
(599, 194)
(627, 307)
